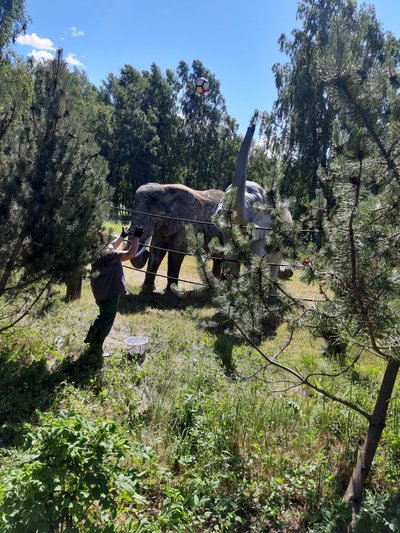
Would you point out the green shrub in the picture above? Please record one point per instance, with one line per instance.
(68, 474)
(376, 515)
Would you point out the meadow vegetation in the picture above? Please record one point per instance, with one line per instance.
(195, 437)
(211, 429)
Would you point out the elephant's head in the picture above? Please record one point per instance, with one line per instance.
(144, 205)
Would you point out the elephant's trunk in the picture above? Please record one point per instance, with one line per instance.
(239, 178)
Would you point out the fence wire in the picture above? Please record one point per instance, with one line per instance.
(302, 299)
(190, 221)
(212, 258)
(164, 276)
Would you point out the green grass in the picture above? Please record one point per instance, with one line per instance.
(223, 447)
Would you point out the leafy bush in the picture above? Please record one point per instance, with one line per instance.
(376, 514)
(68, 474)
(25, 381)
(333, 518)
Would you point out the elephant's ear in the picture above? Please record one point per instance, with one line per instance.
(239, 178)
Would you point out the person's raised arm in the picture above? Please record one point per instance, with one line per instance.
(120, 239)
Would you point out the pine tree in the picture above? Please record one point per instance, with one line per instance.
(361, 257)
(53, 194)
(142, 142)
(356, 266)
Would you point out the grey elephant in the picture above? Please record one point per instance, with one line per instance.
(252, 205)
(154, 201)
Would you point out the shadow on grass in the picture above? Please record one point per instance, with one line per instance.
(227, 337)
(218, 325)
(27, 388)
(138, 303)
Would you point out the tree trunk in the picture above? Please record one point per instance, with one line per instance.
(74, 286)
(8, 269)
(376, 425)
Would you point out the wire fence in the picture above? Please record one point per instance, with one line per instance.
(125, 212)
(198, 283)
(191, 221)
(214, 258)
(118, 211)
(152, 215)
(167, 277)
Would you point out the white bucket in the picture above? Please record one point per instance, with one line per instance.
(136, 345)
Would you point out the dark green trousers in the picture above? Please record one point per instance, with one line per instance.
(104, 321)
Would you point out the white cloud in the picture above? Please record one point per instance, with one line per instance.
(75, 32)
(40, 56)
(35, 41)
(71, 60)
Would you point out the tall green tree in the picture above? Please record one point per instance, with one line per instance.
(53, 194)
(161, 101)
(13, 21)
(142, 144)
(211, 141)
(262, 169)
(14, 83)
(303, 115)
(161, 130)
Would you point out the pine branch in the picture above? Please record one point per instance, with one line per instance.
(342, 85)
(304, 380)
(27, 311)
(354, 269)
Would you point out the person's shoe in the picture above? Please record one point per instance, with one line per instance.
(96, 344)
(90, 336)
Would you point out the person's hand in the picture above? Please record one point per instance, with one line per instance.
(126, 232)
(138, 232)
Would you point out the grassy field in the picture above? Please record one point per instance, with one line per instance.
(201, 439)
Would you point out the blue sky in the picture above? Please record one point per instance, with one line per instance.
(235, 40)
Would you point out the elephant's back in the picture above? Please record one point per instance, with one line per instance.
(169, 194)
(214, 196)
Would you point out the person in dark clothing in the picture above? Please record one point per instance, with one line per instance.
(108, 284)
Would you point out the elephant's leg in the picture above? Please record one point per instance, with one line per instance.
(217, 261)
(274, 258)
(285, 273)
(177, 243)
(156, 256)
(174, 267)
